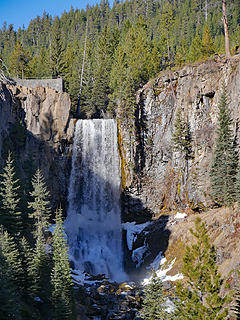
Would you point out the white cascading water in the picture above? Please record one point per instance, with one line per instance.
(93, 223)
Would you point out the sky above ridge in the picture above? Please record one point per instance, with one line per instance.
(20, 12)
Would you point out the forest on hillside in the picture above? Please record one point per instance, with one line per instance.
(104, 54)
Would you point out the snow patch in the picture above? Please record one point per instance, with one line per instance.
(133, 230)
(180, 215)
(162, 273)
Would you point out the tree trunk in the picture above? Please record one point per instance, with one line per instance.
(170, 72)
(82, 71)
(206, 10)
(225, 23)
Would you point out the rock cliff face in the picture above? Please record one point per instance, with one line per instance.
(35, 125)
(157, 178)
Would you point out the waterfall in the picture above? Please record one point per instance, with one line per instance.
(93, 223)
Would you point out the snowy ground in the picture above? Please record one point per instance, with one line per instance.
(161, 268)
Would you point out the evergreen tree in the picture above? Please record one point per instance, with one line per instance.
(40, 270)
(201, 49)
(200, 297)
(40, 205)
(208, 47)
(57, 50)
(10, 216)
(41, 263)
(39, 64)
(9, 306)
(26, 256)
(131, 68)
(236, 307)
(153, 303)
(62, 296)
(102, 67)
(12, 256)
(19, 61)
(224, 166)
(181, 137)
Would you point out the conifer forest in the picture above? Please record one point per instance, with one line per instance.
(120, 188)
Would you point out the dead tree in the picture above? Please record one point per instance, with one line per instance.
(226, 32)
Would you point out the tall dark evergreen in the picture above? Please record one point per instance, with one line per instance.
(154, 300)
(40, 271)
(57, 49)
(62, 292)
(102, 68)
(9, 306)
(40, 267)
(10, 215)
(40, 205)
(200, 298)
(181, 138)
(10, 252)
(224, 166)
(26, 256)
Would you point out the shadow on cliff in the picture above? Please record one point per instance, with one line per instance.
(151, 243)
(141, 131)
(31, 152)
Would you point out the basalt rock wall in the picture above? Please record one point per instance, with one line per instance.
(157, 177)
(35, 126)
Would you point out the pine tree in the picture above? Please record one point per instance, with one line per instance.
(200, 298)
(40, 270)
(26, 256)
(102, 67)
(224, 166)
(181, 137)
(19, 61)
(9, 306)
(57, 50)
(208, 47)
(11, 253)
(61, 273)
(40, 205)
(236, 307)
(153, 303)
(41, 264)
(10, 216)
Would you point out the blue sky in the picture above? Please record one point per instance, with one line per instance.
(20, 12)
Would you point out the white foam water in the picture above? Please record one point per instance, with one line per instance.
(93, 223)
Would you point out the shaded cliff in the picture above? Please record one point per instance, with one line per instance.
(158, 178)
(36, 127)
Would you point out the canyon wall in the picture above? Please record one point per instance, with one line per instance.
(157, 178)
(35, 125)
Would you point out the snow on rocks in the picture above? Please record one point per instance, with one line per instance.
(133, 230)
(180, 215)
(162, 273)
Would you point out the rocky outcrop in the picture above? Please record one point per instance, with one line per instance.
(158, 178)
(35, 124)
